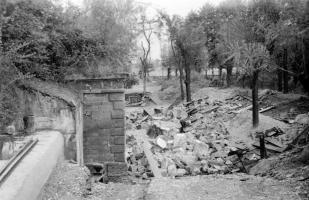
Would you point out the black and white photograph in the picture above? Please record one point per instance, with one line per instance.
(154, 99)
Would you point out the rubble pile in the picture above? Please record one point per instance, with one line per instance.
(192, 138)
(137, 162)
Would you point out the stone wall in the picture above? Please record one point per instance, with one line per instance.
(97, 83)
(49, 113)
(104, 135)
(103, 122)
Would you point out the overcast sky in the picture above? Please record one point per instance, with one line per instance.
(180, 7)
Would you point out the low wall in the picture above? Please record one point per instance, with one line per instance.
(30, 175)
(48, 112)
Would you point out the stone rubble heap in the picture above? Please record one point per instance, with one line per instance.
(192, 138)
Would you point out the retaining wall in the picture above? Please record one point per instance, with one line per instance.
(33, 171)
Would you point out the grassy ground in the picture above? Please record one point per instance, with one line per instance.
(170, 89)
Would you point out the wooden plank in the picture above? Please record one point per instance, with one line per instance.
(243, 109)
(211, 110)
(270, 147)
(245, 97)
(143, 141)
(266, 109)
(274, 142)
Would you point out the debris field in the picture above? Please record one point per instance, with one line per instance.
(194, 138)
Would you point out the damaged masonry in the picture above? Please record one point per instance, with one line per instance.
(194, 138)
(146, 99)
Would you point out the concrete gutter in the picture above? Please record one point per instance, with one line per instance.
(33, 171)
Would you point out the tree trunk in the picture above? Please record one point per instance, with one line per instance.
(144, 82)
(206, 75)
(168, 73)
(176, 72)
(144, 74)
(304, 79)
(229, 70)
(188, 83)
(285, 73)
(255, 96)
(279, 74)
(182, 92)
(306, 57)
(220, 72)
(243, 79)
(187, 70)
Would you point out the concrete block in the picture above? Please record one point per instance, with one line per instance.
(118, 105)
(117, 131)
(119, 157)
(106, 132)
(117, 148)
(119, 140)
(106, 157)
(97, 133)
(117, 114)
(95, 98)
(118, 123)
(100, 107)
(116, 97)
(116, 169)
(97, 124)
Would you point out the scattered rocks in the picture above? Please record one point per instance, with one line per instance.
(138, 165)
(181, 172)
(161, 142)
(302, 119)
(304, 157)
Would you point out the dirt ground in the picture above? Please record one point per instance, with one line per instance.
(69, 182)
(278, 177)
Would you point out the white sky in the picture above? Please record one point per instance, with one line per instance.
(180, 7)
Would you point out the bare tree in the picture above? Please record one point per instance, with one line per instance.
(147, 32)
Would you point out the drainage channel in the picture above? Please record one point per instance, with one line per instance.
(8, 168)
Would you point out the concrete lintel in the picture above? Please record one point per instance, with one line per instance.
(102, 91)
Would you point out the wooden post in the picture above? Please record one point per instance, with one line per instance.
(263, 151)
